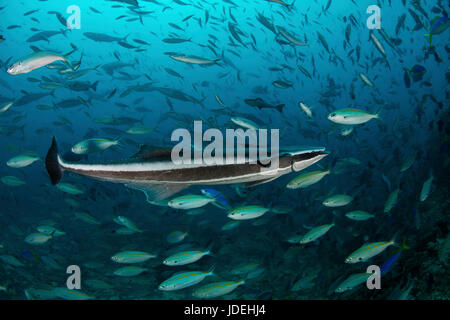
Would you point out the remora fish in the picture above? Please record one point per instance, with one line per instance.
(153, 171)
(290, 38)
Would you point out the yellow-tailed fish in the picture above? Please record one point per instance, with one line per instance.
(68, 294)
(352, 281)
(69, 188)
(129, 271)
(351, 116)
(12, 181)
(307, 179)
(247, 212)
(22, 160)
(132, 257)
(190, 201)
(391, 200)
(426, 188)
(359, 215)
(185, 257)
(37, 238)
(183, 280)
(337, 200)
(368, 251)
(316, 233)
(176, 236)
(217, 289)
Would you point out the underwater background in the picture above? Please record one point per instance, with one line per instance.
(127, 87)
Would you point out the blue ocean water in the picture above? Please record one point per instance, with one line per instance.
(321, 54)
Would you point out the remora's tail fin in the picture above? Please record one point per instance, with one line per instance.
(52, 164)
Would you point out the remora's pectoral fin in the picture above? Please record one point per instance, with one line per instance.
(258, 182)
(158, 192)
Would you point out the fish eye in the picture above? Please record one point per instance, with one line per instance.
(359, 258)
(333, 115)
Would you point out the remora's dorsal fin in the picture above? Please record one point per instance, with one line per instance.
(149, 152)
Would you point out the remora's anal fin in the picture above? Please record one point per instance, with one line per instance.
(158, 192)
(258, 182)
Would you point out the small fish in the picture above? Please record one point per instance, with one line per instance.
(37, 238)
(127, 223)
(230, 225)
(359, 215)
(217, 289)
(68, 294)
(93, 145)
(337, 200)
(50, 231)
(391, 200)
(190, 201)
(22, 160)
(438, 26)
(12, 181)
(282, 84)
(351, 116)
(316, 233)
(220, 202)
(307, 179)
(132, 257)
(195, 60)
(366, 80)
(129, 271)
(346, 131)
(69, 188)
(352, 281)
(139, 130)
(368, 251)
(37, 60)
(247, 212)
(185, 257)
(408, 163)
(11, 260)
(86, 217)
(183, 280)
(176, 236)
(426, 187)
(289, 37)
(6, 107)
(245, 123)
(305, 109)
(387, 265)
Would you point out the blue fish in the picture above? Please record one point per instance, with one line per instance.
(387, 265)
(417, 72)
(26, 254)
(221, 201)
